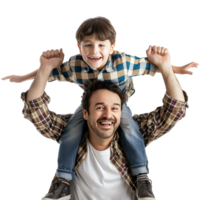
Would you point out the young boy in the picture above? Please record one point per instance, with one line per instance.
(98, 60)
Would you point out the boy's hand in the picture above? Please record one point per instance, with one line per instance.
(160, 57)
(52, 58)
(184, 69)
(14, 78)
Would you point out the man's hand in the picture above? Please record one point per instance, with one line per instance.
(52, 59)
(159, 56)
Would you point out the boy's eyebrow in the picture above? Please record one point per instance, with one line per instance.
(86, 41)
(102, 103)
(91, 41)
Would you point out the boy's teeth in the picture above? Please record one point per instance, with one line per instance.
(94, 58)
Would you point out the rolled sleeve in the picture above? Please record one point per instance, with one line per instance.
(155, 124)
(48, 123)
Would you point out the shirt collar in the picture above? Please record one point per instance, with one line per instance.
(114, 141)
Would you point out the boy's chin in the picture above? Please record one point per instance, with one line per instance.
(96, 67)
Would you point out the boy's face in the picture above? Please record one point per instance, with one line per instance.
(95, 52)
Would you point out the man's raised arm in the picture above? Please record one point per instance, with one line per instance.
(157, 123)
(163, 63)
(48, 61)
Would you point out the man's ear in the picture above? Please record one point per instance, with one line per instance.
(85, 114)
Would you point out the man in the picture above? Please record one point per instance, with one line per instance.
(101, 167)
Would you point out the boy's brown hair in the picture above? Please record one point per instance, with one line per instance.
(99, 26)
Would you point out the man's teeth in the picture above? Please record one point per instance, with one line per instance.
(109, 123)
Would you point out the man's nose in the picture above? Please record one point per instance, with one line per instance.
(107, 113)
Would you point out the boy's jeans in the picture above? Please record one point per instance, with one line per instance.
(129, 134)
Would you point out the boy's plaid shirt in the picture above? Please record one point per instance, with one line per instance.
(152, 126)
(119, 69)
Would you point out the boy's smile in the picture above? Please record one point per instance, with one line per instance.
(95, 52)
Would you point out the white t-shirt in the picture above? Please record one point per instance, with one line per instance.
(98, 179)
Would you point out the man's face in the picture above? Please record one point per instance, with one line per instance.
(95, 52)
(105, 114)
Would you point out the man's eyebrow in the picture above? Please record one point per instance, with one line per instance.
(102, 103)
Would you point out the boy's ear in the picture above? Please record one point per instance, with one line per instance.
(112, 47)
(79, 48)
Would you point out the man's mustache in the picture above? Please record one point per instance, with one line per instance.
(106, 119)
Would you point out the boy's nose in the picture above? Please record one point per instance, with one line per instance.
(95, 50)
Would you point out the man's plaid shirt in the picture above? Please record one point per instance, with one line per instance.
(152, 126)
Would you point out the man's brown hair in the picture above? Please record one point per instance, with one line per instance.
(92, 86)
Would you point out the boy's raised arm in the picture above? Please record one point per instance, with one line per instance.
(30, 75)
(19, 79)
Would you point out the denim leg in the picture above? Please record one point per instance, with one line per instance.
(132, 142)
(69, 144)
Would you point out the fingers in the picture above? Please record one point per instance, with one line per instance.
(52, 54)
(154, 49)
(7, 77)
(159, 50)
(149, 50)
(61, 53)
(162, 51)
(193, 64)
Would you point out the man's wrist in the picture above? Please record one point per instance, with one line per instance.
(39, 83)
(172, 85)
(166, 70)
(45, 70)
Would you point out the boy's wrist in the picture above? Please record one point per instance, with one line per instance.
(29, 76)
(175, 69)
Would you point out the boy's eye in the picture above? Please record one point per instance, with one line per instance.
(88, 45)
(101, 45)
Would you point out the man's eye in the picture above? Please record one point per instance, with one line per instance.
(115, 108)
(102, 107)
(99, 108)
(101, 45)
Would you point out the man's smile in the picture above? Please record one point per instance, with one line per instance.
(106, 124)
